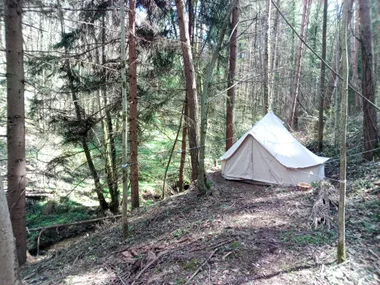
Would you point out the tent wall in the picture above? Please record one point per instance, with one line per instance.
(252, 161)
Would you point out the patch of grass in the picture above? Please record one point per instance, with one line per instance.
(315, 238)
(192, 264)
(179, 233)
(235, 244)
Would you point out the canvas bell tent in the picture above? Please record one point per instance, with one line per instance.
(269, 153)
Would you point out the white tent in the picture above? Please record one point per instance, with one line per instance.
(269, 153)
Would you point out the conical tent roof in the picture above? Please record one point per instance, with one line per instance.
(280, 143)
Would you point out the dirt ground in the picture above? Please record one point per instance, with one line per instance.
(241, 234)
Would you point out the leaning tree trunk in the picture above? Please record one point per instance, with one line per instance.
(322, 82)
(368, 81)
(231, 88)
(9, 273)
(305, 19)
(16, 124)
(135, 202)
(191, 87)
(202, 183)
(341, 254)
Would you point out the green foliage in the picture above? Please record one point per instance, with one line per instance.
(68, 40)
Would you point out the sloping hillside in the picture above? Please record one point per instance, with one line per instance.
(241, 234)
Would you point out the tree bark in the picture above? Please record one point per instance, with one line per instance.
(231, 88)
(191, 88)
(322, 81)
(9, 273)
(341, 253)
(16, 124)
(133, 113)
(368, 81)
(304, 23)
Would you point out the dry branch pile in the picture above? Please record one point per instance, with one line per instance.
(324, 205)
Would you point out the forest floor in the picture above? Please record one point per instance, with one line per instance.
(241, 234)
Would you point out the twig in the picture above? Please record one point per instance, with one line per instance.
(214, 246)
(200, 267)
(75, 223)
(148, 265)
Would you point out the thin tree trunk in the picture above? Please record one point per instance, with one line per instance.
(125, 123)
(322, 81)
(206, 87)
(183, 150)
(16, 123)
(230, 129)
(9, 273)
(331, 85)
(267, 60)
(305, 19)
(135, 201)
(355, 56)
(109, 138)
(341, 254)
(171, 152)
(368, 81)
(275, 58)
(191, 87)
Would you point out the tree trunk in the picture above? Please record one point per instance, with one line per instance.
(368, 81)
(206, 87)
(191, 88)
(230, 129)
(135, 201)
(331, 85)
(9, 273)
(341, 254)
(275, 57)
(322, 81)
(355, 27)
(16, 124)
(124, 157)
(183, 150)
(305, 19)
(267, 60)
(109, 138)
